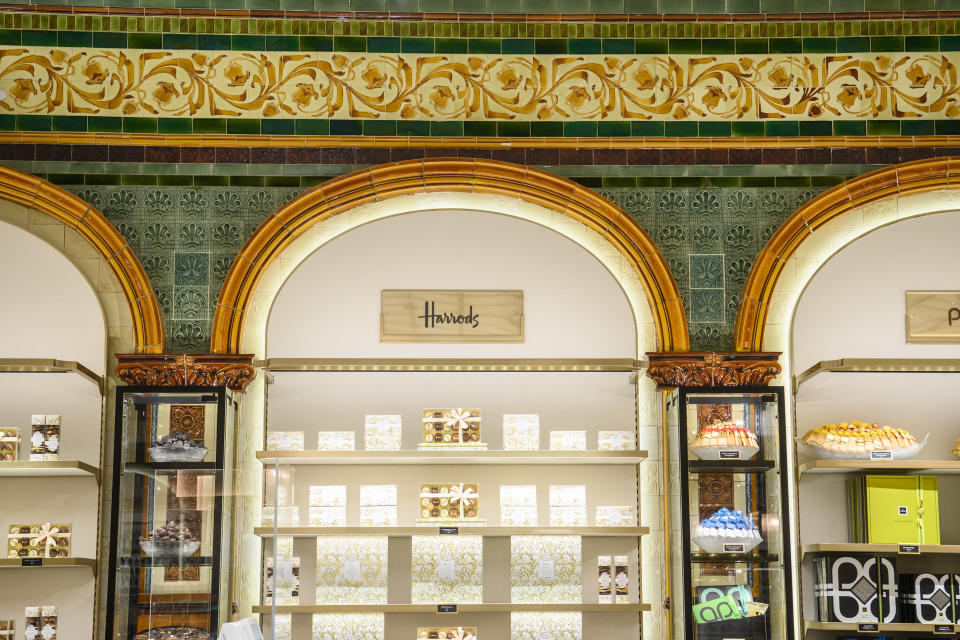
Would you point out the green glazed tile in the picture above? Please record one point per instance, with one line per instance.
(10, 36)
(416, 45)
(886, 43)
(243, 126)
(647, 128)
(323, 127)
(752, 45)
(551, 46)
(446, 128)
(383, 45)
(513, 129)
(921, 43)
(619, 181)
(715, 129)
(179, 41)
(780, 128)
(483, 45)
(211, 181)
(917, 127)
(139, 125)
(680, 129)
(942, 127)
(145, 40)
(613, 129)
(849, 128)
(882, 5)
(74, 38)
(413, 128)
(247, 43)
(380, 128)
(786, 45)
(792, 181)
(846, 5)
(209, 125)
(173, 125)
(316, 43)
(652, 45)
(517, 45)
(282, 181)
(719, 46)
(101, 179)
(247, 181)
(39, 38)
(819, 45)
(580, 129)
(349, 43)
(649, 183)
(743, 6)
(208, 42)
(546, 129)
(586, 46)
(8, 122)
(708, 6)
(282, 43)
(277, 127)
(451, 45)
(949, 43)
(33, 123)
(746, 129)
(883, 127)
(105, 124)
(480, 129)
(853, 45)
(109, 40)
(684, 46)
(69, 123)
(174, 181)
(618, 46)
(779, 6)
(816, 128)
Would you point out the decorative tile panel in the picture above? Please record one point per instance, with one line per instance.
(672, 87)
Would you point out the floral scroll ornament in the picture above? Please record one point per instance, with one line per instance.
(84, 81)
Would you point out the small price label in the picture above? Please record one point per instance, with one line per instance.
(446, 608)
(729, 455)
(449, 531)
(881, 455)
(733, 548)
(868, 626)
(908, 548)
(31, 562)
(944, 628)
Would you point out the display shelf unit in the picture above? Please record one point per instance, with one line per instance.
(877, 365)
(48, 468)
(451, 457)
(880, 466)
(755, 486)
(486, 607)
(147, 592)
(880, 549)
(892, 627)
(50, 365)
(492, 532)
(408, 467)
(50, 563)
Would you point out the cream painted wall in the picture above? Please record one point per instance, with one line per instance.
(573, 306)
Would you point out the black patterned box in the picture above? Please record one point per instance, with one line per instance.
(860, 588)
(927, 598)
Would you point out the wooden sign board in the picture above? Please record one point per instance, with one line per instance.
(933, 317)
(451, 316)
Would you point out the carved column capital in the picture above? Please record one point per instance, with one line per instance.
(713, 369)
(203, 370)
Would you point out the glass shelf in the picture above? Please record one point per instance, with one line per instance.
(405, 532)
(451, 457)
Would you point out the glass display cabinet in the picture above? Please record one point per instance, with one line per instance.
(732, 491)
(173, 486)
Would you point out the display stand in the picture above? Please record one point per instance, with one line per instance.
(161, 588)
(732, 459)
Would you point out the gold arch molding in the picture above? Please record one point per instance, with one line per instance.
(460, 175)
(39, 195)
(895, 181)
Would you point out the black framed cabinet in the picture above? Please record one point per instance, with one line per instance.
(733, 501)
(173, 488)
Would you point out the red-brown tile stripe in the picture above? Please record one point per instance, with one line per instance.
(486, 17)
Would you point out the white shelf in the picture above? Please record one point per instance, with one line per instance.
(878, 365)
(453, 365)
(406, 532)
(883, 549)
(51, 563)
(48, 468)
(855, 466)
(49, 365)
(451, 457)
(882, 628)
(461, 608)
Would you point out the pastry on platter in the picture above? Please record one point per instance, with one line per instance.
(714, 438)
(858, 440)
(724, 528)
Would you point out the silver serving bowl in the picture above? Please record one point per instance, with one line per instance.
(160, 454)
(167, 549)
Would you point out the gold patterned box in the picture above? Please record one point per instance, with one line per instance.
(9, 444)
(7, 628)
(553, 625)
(289, 516)
(328, 495)
(278, 492)
(40, 623)
(568, 440)
(521, 432)
(616, 440)
(604, 580)
(339, 626)
(518, 505)
(352, 569)
(382, 433)
(284, 581)
(378, 495)
(327, 516)
(446, 633)
(568, 505)
(282, 626)
(616, 516)
(378, 515)
(45, 437)
(444, 428)
(621, 580)
(284, 440)
(449, 502)
(447, 569)
(38, 541)
(336, 441)
(546, 569)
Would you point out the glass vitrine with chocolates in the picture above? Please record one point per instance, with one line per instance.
(173, 486)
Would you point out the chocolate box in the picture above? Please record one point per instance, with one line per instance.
(38, 541)
(521, 432)
(927, 598)
(45, 437)
(454, 501)
(382, 433)
(9, 444)
(446, 633)
(452, 427)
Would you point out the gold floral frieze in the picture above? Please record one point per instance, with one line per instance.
(126, 82)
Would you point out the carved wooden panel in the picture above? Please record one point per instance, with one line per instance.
(189, 419)
(707, 414)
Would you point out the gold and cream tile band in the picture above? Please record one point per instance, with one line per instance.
(148, 83)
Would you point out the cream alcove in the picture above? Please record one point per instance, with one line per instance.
(476, 241)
